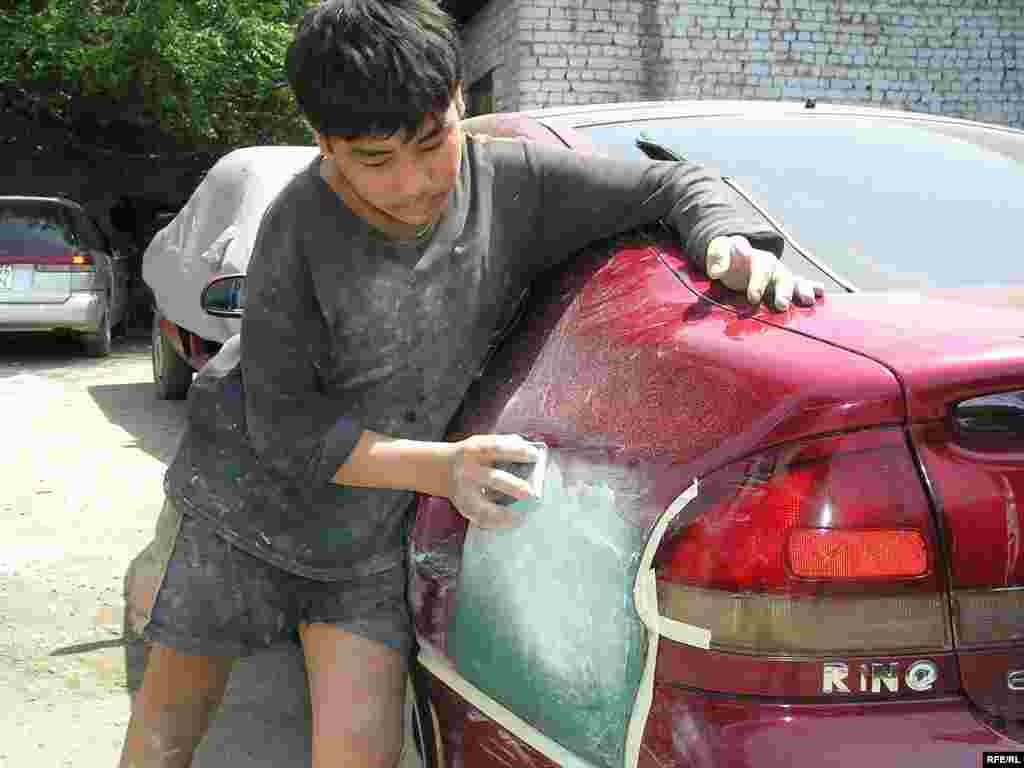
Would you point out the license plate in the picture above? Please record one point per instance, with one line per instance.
(6, 277)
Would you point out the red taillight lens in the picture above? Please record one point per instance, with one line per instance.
(821, 553)
(860, 491)
(822, 546)
(72, 261)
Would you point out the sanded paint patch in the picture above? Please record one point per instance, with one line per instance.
(435, 663)
(544, 621)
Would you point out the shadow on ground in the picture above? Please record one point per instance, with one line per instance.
(155, 425)
(45, 349)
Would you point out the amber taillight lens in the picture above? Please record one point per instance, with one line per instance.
(829, 554)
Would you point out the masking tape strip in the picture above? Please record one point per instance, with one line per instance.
(645, 596)
(439, 666)
(689, 634)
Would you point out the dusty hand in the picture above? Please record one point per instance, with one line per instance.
(472, 479)
(742, 267)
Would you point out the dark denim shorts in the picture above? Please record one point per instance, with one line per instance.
(192, 590)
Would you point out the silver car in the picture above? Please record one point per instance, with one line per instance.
(58, 272)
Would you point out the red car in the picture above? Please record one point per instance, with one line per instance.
(765, 539)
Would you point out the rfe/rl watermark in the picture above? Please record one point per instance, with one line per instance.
(1002, 758)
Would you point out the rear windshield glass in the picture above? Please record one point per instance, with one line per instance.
(887, 204)
(33, 222)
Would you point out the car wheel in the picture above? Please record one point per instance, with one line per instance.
(98, 344)
(172, 375)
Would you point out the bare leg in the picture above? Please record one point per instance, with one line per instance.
(173, 707)
(357, 688)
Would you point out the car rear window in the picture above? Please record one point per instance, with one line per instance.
(26, 222)
(885, 203)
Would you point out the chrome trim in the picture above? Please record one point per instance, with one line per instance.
(877, 675)
(922, 675)
(1015, 680)
(834, 678)
(880, 677)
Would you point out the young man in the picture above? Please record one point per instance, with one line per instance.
(377, 278)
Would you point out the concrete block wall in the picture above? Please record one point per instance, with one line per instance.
(955, 57)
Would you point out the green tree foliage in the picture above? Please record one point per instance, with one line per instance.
(210, 70)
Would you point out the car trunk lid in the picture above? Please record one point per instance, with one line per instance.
(960, 360)
(942, 348)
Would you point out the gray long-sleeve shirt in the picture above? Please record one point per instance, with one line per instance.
(346, 330)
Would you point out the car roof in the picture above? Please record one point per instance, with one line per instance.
(621, 112)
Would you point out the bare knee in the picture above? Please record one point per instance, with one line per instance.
(173, 708)
(360, 735)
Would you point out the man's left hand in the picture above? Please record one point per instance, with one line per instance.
(742, 267)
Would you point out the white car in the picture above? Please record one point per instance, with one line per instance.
(59, 273)
(212, 235)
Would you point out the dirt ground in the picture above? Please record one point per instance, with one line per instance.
(83, 451)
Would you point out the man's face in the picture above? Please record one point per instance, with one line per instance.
(400, 180)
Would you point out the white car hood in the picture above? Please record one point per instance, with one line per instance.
(213, 234)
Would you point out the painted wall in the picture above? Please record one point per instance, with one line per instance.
(955, 57)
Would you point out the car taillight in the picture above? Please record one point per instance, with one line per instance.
(72, 261)
(819, 548)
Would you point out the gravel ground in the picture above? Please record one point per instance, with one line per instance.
(85, 444)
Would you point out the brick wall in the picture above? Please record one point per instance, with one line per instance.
(956, 57)
(490, 44)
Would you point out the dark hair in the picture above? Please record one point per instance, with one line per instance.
(374, 67)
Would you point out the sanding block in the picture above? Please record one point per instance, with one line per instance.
(531, 473)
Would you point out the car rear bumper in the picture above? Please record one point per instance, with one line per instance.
(81, 312)
(691, 729)
(687, 728)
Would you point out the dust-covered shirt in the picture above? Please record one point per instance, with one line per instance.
(346, 330)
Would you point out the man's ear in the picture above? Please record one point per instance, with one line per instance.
(323, 143)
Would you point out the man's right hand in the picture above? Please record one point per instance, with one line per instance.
(473, 480)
